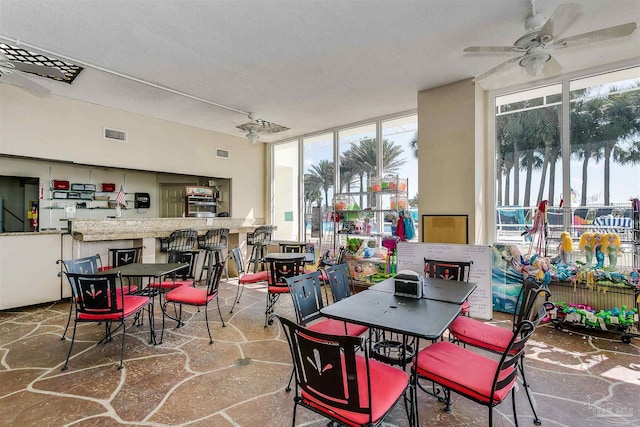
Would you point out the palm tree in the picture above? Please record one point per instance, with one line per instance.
(584, 140)
(321, 175)
(414, 144)
(619, 127)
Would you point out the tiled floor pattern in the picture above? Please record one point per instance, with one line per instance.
(576, 380)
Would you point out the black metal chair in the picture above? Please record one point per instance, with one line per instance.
(123, 256)
(479, 378)
(97, 300)
(179, 240)
(338, 277)
(214, 242)
(468, 331)
(259, 240)
(196, 297)
(244, 277)
(279, 271)
(87, 265)
(335, 380)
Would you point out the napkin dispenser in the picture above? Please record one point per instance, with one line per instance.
(408, 284)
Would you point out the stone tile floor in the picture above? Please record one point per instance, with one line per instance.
(576, 380)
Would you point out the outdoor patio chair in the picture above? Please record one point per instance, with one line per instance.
(244, 277)
(479, 378)
(97, 299)
(196, 297)
(338, 381)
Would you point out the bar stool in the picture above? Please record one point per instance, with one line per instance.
(259, 239)
(214, 242)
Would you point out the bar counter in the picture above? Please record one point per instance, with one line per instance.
(95, 230)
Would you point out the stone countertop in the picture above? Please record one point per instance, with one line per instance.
(124, 229)
(33, 233)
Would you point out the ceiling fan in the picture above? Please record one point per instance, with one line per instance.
(12, 72)
(541, 40)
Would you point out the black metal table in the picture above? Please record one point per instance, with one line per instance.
(435, 289)
(150, 271)
(418, 318)
(289, 256)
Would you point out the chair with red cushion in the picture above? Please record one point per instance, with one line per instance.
(97, 300)
(244, 277)
(196, 297)
(306, 293)
(279, 271)
(87, 265)
(495, 339)
(338, 277)
(184, 277)
(482, 379)
(449, 270)
(124, 256)
(338, 382)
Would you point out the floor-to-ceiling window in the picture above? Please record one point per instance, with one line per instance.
(286, 215)
(364, 152)
(586, 177)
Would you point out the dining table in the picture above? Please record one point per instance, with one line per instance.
(289, 256)
(434, 289)
(418, 318)
(152, 272)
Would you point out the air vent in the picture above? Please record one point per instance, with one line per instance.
(223, 154)
(114, 134)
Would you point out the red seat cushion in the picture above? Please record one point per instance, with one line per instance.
(463, 371)
(105, 268)
(465, 307)
(170, 284)
(336, 327)
(479, 334)
(189, 295)
(387, 385)
(261, 276)
(278, 289)
(132, 304)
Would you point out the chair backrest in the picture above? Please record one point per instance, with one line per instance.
(338, 276)
(180, 240)
(529, 294)
(291, 248)
(237, 257)
(306, 293)
(279, 270)
(448, 270)
(326, 369)
(120, 257)
(215, 238)
(96, 294)
(214, 281)
(87, 265)
(189, 257)
(261, 235)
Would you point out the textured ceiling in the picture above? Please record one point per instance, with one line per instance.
(307, 65)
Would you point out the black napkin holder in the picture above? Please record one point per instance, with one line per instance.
(408, 284)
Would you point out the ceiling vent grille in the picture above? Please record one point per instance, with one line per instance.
(223, 154)
(114, 134)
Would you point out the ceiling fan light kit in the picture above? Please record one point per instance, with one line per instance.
(541, 40)
(255, 127)
(533, 63)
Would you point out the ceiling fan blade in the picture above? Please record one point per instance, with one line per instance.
(552, 67)
(15, 78)
(497, 69)
(596, 36)
(493, 49)
(38, 69)
(559, 21)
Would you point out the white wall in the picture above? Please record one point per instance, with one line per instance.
(57, 128)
